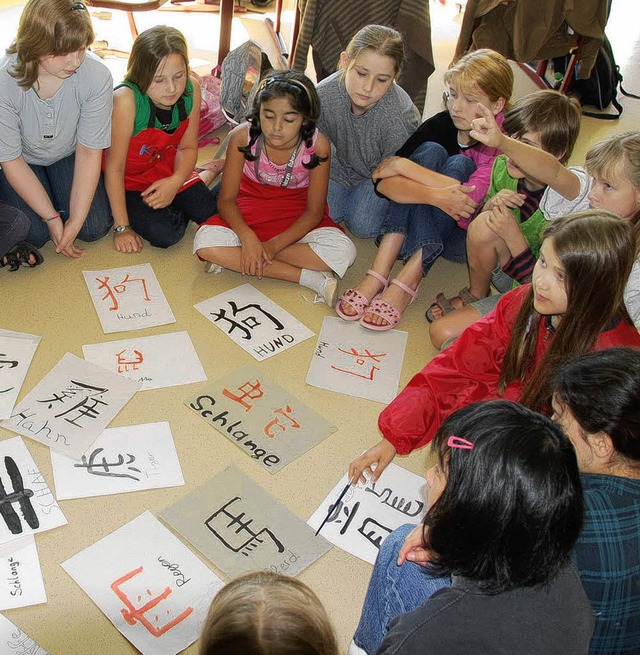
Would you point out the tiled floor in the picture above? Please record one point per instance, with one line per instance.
(53, 301)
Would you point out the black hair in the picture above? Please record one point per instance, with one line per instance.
(511, 510)
(303, 97)
(602, 391)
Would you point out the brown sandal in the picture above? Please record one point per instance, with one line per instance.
(444, 304)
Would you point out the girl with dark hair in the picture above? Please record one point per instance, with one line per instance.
(274, 219)
(55, 121)
(573, 305)
(153, 188)
(265, 613)
(504, 511)
(597, 403)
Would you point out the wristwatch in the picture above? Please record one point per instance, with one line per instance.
(121, 228)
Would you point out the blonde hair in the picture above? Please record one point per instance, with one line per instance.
(482, 70)
(383, 40)
(264, 613)
(618, 157)
(48, 28)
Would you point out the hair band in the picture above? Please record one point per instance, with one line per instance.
(78, 6)
(459, 442)
(268, 81)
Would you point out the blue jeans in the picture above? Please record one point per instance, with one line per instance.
(393, 590)
(56, 180)
(165, 227)
(359, 208)
(427, 227)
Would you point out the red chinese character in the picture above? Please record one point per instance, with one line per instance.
(121, 287)
(360, 360)
(133, 614)
(249, 390)
(275, 423)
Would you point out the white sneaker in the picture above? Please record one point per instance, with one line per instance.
(329, 290)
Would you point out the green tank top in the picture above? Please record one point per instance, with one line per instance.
(144, 107)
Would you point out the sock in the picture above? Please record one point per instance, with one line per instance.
(313, 280)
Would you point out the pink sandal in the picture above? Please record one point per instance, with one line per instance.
(357, 300)
(386, 311)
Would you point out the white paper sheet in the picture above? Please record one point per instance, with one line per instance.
(130, 458)
(164, 360)
(27, 505)
(357, 362)
(128, 298)
(368, 513)
(254, 322)
(21, 576)
(69, 408)
(15, 642)
(15, 358)
(149, 584)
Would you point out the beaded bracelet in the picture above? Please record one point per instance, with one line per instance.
(53, 218)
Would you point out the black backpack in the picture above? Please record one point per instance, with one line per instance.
(601, 89)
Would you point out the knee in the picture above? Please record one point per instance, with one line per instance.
(363, 227)
(441, 331)
(393, 543)
(213, 254)
(94, 230)
(479, 231)
(430, 155)
(460, 168)
(348, 251)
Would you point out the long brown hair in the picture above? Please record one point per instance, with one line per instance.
(46, 28)
(596, 249)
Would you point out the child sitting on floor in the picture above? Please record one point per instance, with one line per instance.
(611, 182)
(431, 209)
(511, 222)
(274, 220)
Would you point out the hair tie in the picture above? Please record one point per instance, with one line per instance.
(78, 6)
(459, 442)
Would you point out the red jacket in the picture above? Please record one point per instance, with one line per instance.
(468, 371)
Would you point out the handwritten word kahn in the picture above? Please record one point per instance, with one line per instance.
(223, 420)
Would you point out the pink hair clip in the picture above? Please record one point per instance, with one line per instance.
(459, 442)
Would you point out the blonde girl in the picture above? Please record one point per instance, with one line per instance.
(153, 188)
(273, 217)
(55, 113)
(264, 613)
(367, 117)
(573, 305)
(431, 209)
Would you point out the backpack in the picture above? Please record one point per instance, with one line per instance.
(242, 70)
(601, 88)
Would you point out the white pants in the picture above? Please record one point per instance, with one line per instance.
(331, 244)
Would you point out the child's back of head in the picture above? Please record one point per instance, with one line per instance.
(263, 613)
(554, 116)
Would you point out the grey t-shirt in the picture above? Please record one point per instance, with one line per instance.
(45, 131)
(360, 143)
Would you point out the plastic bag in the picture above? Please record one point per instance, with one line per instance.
(211, 116)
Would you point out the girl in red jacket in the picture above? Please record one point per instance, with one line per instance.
(573, 305)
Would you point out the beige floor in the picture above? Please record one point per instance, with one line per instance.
(53, 301)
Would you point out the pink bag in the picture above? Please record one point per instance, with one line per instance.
(211, 116)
